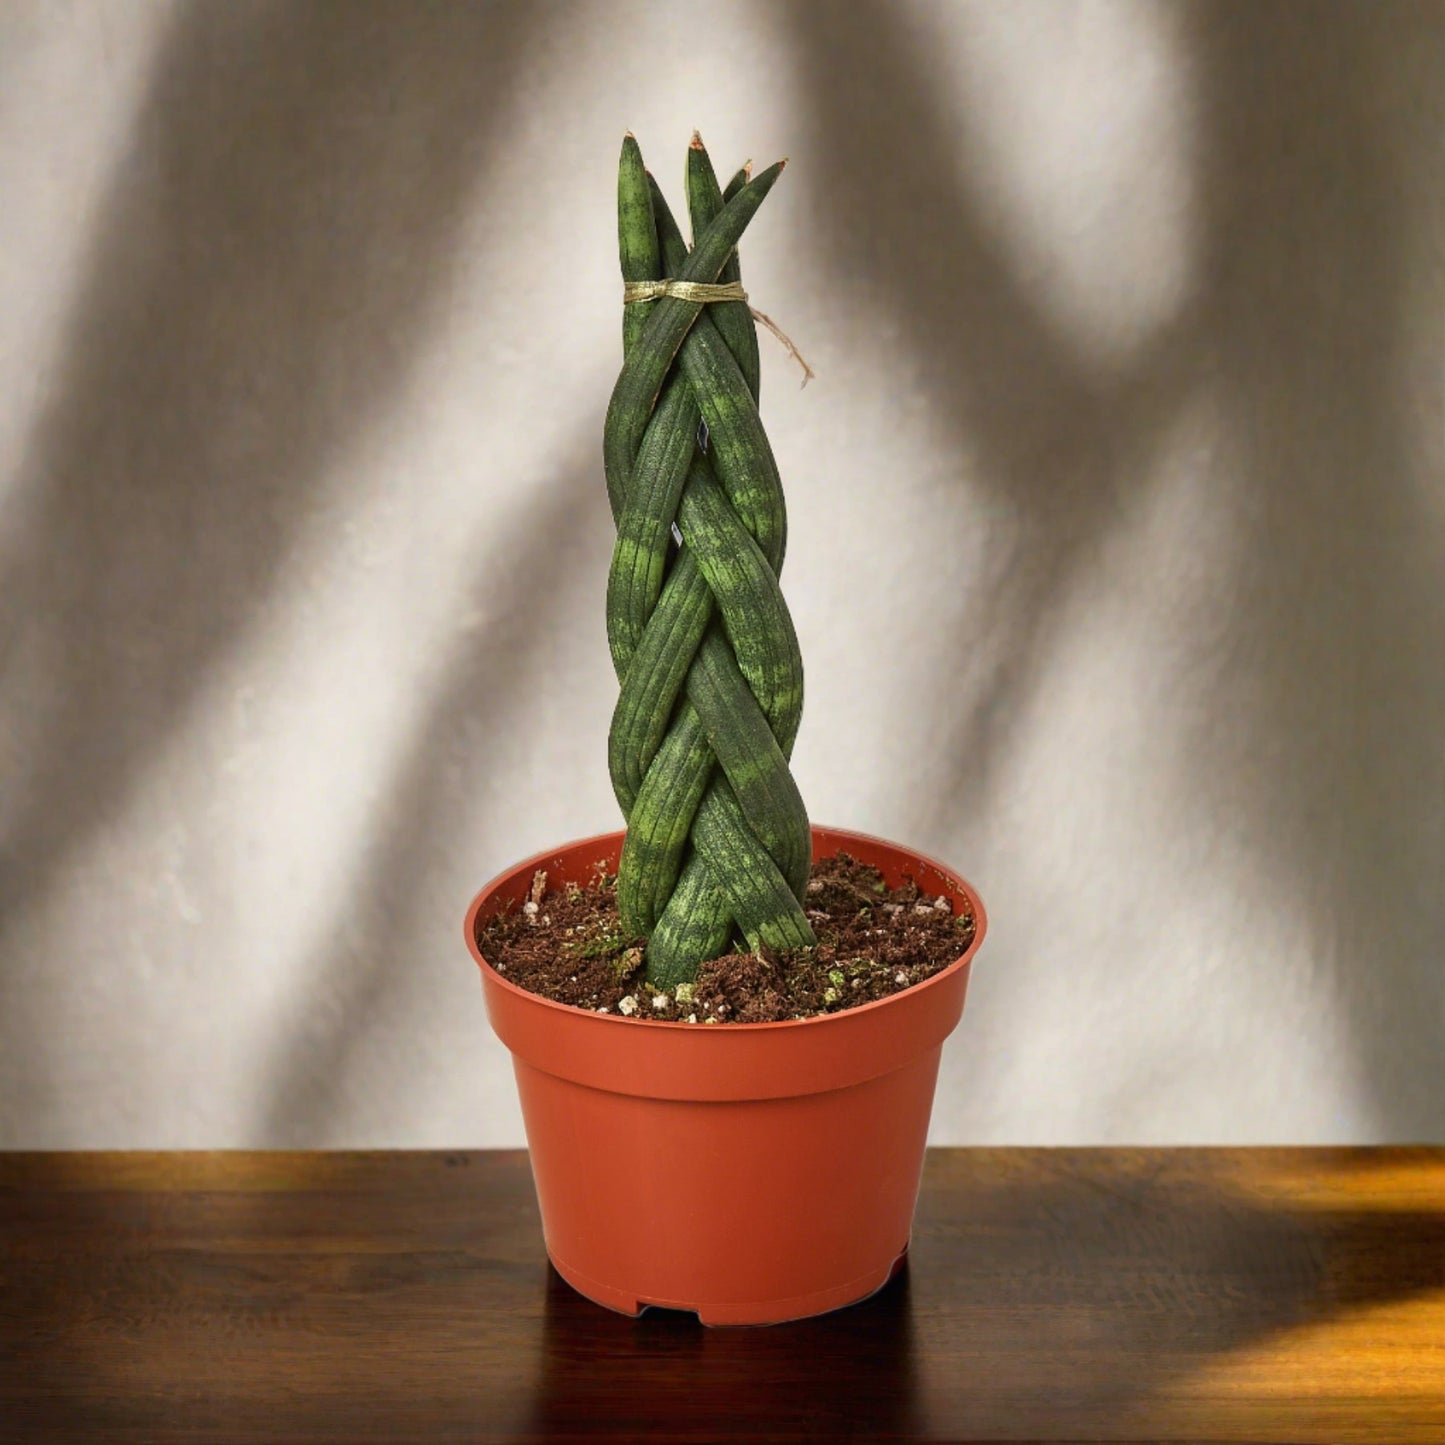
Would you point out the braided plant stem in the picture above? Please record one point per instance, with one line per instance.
(711, 680)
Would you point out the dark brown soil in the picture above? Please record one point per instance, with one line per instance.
(873, 941)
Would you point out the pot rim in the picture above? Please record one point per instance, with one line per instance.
(834, 835)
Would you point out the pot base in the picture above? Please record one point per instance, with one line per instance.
(735, 1312)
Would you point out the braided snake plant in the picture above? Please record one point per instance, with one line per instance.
(711, 680)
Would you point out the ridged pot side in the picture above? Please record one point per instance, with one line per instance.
(750, 1172)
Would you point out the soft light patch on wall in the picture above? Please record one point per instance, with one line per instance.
(1078, 134)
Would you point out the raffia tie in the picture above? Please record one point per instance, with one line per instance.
(704, 293)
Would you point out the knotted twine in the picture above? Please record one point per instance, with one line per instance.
(703, 291)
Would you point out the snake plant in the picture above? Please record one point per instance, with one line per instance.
(710, 678)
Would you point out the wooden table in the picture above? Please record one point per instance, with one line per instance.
(1265, 1295)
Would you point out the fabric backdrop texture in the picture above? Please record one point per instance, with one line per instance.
(1117, 535)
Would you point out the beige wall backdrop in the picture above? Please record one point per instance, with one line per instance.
(1117, 535)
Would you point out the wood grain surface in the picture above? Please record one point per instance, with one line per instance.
(1201, 1295)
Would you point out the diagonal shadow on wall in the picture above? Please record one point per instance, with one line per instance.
(277, 237)
(1062, 443)
(1334, 701)
(372, 966)
(1326, 749)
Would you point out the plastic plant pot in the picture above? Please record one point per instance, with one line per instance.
(751, 1173)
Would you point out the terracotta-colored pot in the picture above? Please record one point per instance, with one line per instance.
(752, 1173)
